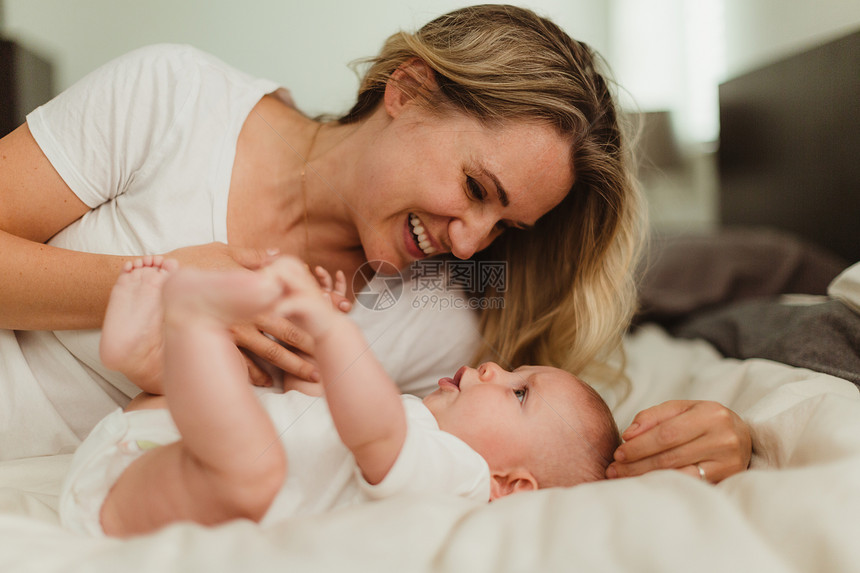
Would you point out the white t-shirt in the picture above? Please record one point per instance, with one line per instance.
(322, 472)
(148, 141)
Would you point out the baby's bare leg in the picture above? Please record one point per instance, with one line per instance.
(229, 462)
(131, 339)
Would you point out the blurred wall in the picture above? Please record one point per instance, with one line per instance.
(672, 54)
(761, 31)
(669, 55)
(305, 46)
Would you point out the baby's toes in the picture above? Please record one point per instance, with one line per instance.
(169, 265)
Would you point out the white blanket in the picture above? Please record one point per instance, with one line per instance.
(797, 509)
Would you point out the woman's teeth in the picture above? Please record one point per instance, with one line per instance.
(421, 238)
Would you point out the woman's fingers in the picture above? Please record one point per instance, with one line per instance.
(287, 332)
(257, 375)
(221, 256)
(651, 417)
(715, 468)
(249, 338)
(699, 432)
(303, 386)
(253, 258)
(662, 428)
(681, 457)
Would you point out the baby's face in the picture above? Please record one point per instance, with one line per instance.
(508, 416)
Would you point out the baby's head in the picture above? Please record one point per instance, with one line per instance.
(536, 426)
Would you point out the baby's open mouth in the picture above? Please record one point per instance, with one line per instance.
(458, 376)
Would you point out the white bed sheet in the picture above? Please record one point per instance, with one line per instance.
(797, 509)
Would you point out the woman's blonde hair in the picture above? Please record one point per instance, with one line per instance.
(570, 292)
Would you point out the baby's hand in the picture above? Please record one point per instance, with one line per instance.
(334, 290)
(303, 300)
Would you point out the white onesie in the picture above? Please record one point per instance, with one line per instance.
(322, 472)
(148, 141)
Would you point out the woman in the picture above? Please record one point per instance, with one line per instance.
(488, 126)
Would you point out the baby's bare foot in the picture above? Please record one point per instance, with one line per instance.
(218, 298)
(132, 341)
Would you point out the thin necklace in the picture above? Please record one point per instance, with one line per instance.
(307, 159)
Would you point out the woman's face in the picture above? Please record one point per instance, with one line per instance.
(437, 185)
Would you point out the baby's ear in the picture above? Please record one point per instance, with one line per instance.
(504, 483)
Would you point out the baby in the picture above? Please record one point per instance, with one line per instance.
(221, 452)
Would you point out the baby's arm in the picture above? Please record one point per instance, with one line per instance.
(364, 402)
(229, 463)
(335, 290)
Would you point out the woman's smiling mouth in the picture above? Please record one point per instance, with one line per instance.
(420, 236)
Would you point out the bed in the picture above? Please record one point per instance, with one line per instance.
(698, 337)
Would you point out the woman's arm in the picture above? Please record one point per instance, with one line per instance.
(44, 287)
(49, 288)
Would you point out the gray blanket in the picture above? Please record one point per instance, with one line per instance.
(723, 287)
(823, 337)
(691, 273)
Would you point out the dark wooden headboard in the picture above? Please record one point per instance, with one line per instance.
(26, 82)
(789, 152)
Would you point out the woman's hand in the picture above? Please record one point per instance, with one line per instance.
(687, 435)
(293, 358)
(219, 256)
(252, 338)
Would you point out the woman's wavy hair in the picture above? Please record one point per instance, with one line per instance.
(570, 290)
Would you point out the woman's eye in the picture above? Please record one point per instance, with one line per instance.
(520, 393)
(475, 190)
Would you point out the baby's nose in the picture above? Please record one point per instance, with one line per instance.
(487, 371)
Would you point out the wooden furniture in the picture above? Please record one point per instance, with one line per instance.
(789, 144)
(26, 82)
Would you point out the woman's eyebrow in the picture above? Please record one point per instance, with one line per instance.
(500, 191)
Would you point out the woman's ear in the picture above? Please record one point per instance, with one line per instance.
(413, 79)
(504, 483)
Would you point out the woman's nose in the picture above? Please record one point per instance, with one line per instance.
(470, 235)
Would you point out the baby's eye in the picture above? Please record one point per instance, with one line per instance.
(520, 393)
